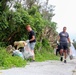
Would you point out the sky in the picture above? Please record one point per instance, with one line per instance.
(65, 15)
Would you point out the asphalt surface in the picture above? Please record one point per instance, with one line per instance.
(44, 68)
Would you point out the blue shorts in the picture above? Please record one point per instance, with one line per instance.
(32, 45)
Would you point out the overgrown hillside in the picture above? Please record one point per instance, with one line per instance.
(16, 14)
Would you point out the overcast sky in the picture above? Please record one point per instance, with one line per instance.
(65, 15)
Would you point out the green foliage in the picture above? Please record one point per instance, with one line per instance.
(14, 23)
(46, 44)
(12, 28)
(44, 55)
(2, 44)
(33, 10)
(46, 52)
(8, 61)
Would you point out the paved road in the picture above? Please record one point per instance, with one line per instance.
(44, 68)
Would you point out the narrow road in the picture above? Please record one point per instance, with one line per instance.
(44, 68)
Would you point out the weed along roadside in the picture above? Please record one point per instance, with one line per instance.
(13, 22)
(9, 61)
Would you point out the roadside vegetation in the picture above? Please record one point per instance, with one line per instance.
(14, 16)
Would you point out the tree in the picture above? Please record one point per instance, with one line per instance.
(14, 21)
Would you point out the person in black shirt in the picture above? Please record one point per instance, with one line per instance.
(32, 40)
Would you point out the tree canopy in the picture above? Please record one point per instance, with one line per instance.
(16, 14)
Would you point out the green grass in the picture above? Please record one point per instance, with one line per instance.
(46, 52)
(45, 55)
(8, 61)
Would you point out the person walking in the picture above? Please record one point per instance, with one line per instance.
(31, 40)
(64, 40)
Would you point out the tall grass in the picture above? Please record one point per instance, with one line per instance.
(46, 52)
(8, 61)
(45, 55)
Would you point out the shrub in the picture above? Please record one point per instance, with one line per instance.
(46, 52)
